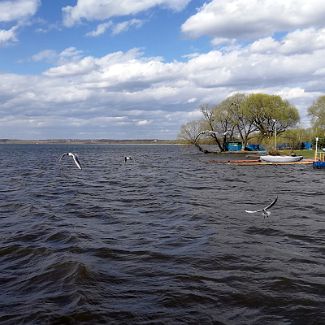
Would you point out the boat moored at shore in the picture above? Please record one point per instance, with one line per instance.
(280, 159)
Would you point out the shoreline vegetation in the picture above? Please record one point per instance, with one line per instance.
(257, 119)
(305, 153)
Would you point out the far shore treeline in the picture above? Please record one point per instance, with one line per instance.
(89, 141)
(255, 119)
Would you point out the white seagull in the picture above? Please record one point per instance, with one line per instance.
(126, 158)
(75, 158)
(265, 211)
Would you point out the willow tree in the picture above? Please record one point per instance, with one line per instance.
(213, 126)
(222, 124)
(239, 116)
(270, 114)
(219, 121)
(317, 113)
(190, 130)
(210, 122)
(240, 124)
(216, 125)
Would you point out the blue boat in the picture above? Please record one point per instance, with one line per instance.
(319, 164)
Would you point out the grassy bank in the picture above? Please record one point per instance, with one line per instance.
(306, 153)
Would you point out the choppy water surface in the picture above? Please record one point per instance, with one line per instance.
(163, 240)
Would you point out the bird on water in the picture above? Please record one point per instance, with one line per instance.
(265, 211)
(74, 156)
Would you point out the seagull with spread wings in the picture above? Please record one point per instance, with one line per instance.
(265, 211)
(75, 158)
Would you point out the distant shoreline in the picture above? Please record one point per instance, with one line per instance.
(99, 141)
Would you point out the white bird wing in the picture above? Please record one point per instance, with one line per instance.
(65, 154)
(249, 211)
(271, 204)
(76, 160)
(264, 210)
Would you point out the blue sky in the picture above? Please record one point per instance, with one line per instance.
(159, 35)
(140, 69)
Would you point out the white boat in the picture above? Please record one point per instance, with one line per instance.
(281, 159)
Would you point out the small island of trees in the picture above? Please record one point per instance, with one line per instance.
(254, 118)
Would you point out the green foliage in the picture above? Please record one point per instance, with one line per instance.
(242, 124)
(242, 117)
(270, 113)
(310, 154)
(274, 152)
(294, 137)
(317, 113)
(321, 142)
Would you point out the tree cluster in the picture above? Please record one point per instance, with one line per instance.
(317, 114)
(241, 118)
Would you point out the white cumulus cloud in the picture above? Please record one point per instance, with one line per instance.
(15, 10)
(297, 42)
(253, 19)
(7, 36)
(103, 9)
(101, 29)
(150, 95)
(70, 54)
(126, 25)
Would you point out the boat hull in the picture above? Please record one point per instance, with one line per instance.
(319, 164)
(281, 159)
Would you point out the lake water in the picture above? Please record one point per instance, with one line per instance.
(162, 240)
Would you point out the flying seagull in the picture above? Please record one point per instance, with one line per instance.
(265, 211)
(126, 158)
(75, 158)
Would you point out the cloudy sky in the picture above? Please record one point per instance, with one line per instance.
(127, 69)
